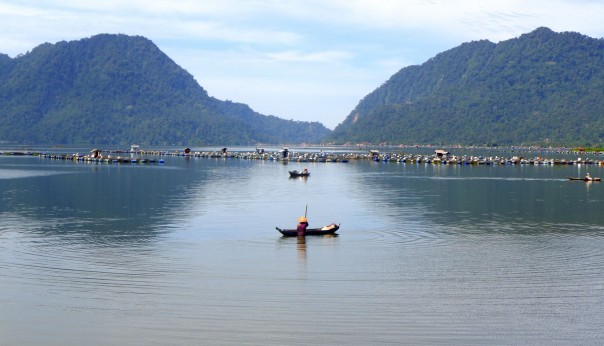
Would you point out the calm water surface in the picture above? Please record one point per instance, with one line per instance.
(187, 253)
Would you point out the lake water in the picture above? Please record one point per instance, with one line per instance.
(187, 253)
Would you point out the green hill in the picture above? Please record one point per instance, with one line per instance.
(542, 88)
(119, 89)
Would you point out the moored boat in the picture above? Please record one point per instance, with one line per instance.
(329, 229)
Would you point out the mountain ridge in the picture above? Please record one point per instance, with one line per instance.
(120, 89)
(541, 88)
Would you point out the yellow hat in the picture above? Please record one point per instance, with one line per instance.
(301, 219)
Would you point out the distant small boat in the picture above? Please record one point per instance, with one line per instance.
(295, 173)
(585, 179)
(329, 229)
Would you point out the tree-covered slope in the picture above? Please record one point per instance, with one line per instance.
(112, 89)
(542, 88)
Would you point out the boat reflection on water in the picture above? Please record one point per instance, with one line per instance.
(301, 247)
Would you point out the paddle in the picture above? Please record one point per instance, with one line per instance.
(305, 210)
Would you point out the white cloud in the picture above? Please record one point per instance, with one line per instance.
(329, 57)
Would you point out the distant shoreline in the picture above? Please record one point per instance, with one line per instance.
(515, 155)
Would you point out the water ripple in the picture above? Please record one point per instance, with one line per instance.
(24, 173)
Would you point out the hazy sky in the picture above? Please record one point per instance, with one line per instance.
(310, 60)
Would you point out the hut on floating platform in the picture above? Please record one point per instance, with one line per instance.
(441, 154)
(95, 153)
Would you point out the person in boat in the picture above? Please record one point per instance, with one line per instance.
(588, 177)
(302, 225)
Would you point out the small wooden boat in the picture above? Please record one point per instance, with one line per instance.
(585, 179)
(299, 174)
(329, 229)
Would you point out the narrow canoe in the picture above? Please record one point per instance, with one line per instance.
(584, 179)
(329, 229)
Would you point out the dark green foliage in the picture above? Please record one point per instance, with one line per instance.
(118, 89)
(542, 88)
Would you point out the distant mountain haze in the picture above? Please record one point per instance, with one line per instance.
(119, 89)
(542, 88)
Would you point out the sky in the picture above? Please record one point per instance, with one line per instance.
(307, 60)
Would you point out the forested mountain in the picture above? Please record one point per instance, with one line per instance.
(119, 89)
(541, 88)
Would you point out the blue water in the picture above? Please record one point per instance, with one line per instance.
(187, 253)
